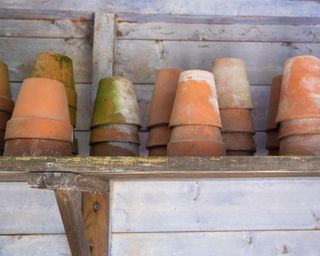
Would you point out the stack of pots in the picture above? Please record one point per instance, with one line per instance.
(115, 120)
(40, 123)
(160, 110)
(195, 118)
(272, 126)
(299, 107)
(59, 67)
(6, 104)
(235, 105)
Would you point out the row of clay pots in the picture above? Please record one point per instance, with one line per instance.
(59, 67)
(115, 120)
(235, 103)
(6, 104)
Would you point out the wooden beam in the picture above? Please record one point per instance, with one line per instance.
(70, 210)
(95, 210)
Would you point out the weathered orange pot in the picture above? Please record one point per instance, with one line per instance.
(116, 103)
(4, 117)
(41, 112)
(158, 151)
(159, 136)
(2, 132)
(236, 120)
(55, 66)
(304, 144)
(238, 141)
(273, 152)
(115, 132)
(196, 100)
(232, 83)
(114, 149)
(195, 132)
(4, 81)
(6, 104)
(274, 102)
(196, 148)
(163, 96)
(240, 153)
(299, 126)
(273, 139)
(300, 89)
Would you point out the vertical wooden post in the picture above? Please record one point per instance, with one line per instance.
(70, 209)
(95, 210)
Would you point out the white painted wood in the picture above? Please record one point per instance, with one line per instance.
(205, 7)
(295, 243)
(215, 205)
(206, 28)
(34, 245)
(139, 59)
(28, 211)
(20, 54)
(103, 47)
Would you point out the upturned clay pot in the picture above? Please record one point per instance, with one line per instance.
(114, 149)
(240, 153)
(196, 148)
(72, 105)
(4, 117)
(116, 103)
(236, 120)
(274, 102)
(232, 83)
(115, 132)
(196, 100)
(299, 126)
(195, 132)
(41, 112)
(6, 104)
(304, 144)
(4, 81)
(158, 151)
(2, 132)
(300, 89)
(273, 152)
(159, 136)
(55, 66)
(238, 141)
(273, 139)
(163, 96)
(75, 147)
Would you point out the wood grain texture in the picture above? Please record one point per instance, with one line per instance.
(139, 59)
(70, 211)
(215, 205)
(217, 243)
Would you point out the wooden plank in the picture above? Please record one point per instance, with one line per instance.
(46, 28)
(215, 205)
(219, 28)
(139, 59)
(95, 210)
(28, 211)
(35, 245)
(20, 54)
(70, 211)
(103, 47)
(217, 243)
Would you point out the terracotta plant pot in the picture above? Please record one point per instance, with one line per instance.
(6, 104)
(75, 146)
(238, 141)
(55, 66)
(115, 132)
(273, 139)
(274, 102)
(300, 89)
(4, 117)
(304, 144)
(114, 149)
(240, 153)
(195, 148)
(195, 132)
(40, 116)
(158, 151)
(232, 83)
(299, 126)
(4, 81)
(273, 152)
(159, 136)
(2, 132)
(116, 103)
(163, 96)
(236, 120)
(196, 100)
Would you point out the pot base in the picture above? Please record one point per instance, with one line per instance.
(273, 139)
(300, 145)
(158, 151)
(273, 152)
(240, 153)
(159, 136)
(238, 141)
(114, 149)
